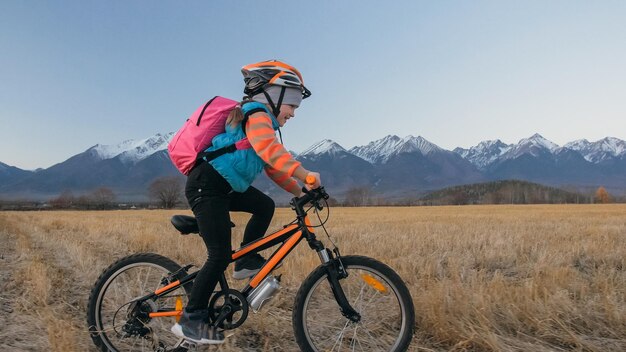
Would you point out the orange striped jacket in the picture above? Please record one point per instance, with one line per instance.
(280, 164)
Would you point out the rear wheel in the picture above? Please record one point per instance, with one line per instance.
(116, 322)
(374, 290)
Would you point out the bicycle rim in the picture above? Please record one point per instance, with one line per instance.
(114, 300)
(374, 296)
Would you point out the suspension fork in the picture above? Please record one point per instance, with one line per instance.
(335, 272)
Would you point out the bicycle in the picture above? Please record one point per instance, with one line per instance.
(347, 302)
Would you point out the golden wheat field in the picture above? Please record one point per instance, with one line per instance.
(483, 278)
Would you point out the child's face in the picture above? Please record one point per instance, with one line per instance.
(286, 112)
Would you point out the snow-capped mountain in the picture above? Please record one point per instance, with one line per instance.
(325, 146)
(599, 151)
(414, 163)
(537, 159)
(133, 151)
(380, 151)
(127, 168)
(376, 151)
(390, 166)
(485, 153)
(534, 145)
(339, 168)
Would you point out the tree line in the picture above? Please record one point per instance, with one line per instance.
(167, 193)
(497, 192)
(164, 192)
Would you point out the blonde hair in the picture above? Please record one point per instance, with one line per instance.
(235, 117)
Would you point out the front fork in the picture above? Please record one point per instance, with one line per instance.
(335, 272)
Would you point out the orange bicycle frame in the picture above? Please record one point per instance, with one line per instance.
(290, 236)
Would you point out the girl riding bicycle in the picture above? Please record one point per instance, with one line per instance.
(274, 90)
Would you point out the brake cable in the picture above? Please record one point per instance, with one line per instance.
(322, 223)
(335, 248)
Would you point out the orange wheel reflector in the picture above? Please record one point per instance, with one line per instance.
(377, 285)
(179, 307)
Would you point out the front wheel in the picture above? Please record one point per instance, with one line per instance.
(374, 290)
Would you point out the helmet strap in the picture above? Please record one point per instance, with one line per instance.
(269, 100)
(275, 108)
(281, 136)
(280, 102)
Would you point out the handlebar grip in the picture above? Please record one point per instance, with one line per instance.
(310, 180)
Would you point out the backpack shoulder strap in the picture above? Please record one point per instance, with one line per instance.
(204, 109)
(251, 108)
(208, 156)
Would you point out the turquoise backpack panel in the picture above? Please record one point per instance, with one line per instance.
(241, 167)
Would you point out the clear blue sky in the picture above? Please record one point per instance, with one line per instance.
(77, 73)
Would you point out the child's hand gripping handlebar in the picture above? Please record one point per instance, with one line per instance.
(312, 194)
(312, 180)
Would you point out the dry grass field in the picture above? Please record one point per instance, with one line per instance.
(483, 278)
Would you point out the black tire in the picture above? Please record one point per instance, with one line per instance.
(319, 326)
(106, 302)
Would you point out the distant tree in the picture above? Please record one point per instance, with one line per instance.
(166, 191)
(65, 200)
(602, 196)
(379, 201)
(333, 202)
(460, 197)
(498, 197)
(358, 196)
(84, 202)
(102, 198)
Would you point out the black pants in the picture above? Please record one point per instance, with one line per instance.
(211, 198)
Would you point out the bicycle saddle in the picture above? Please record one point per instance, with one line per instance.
(187, 224)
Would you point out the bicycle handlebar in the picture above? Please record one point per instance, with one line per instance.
(310, 196)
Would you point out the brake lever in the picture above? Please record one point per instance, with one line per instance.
(317, 205)
(313, 193)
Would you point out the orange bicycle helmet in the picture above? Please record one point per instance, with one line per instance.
(272, 72)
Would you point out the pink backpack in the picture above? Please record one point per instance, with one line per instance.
(196, 135)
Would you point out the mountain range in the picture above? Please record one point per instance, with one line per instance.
(392, 167)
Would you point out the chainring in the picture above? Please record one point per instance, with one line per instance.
(232, 305)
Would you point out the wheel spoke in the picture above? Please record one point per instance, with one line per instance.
(358, 298)
(339, 340)
(354, 340)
